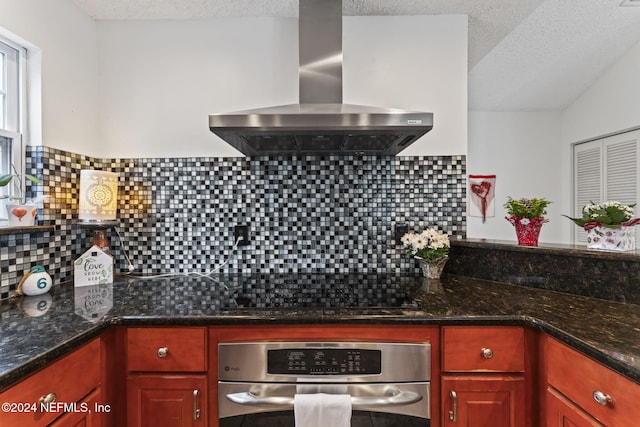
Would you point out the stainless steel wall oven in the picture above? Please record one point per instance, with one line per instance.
(389, 383)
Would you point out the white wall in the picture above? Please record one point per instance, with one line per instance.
(611, 104)
(523, 151)
(412, 62)
(146, 88)
(159, 80)
(543, 140)
(66, 40)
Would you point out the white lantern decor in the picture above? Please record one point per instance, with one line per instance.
(98, 196)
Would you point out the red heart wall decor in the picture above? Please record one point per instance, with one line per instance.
(482, 193)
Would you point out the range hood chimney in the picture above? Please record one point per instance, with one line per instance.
(321, 123)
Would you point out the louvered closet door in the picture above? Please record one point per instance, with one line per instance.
(606, 169)
(621, 170)
(587, 181)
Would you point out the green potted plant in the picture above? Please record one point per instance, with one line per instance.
(608, 225)
(19, 212)
(527, 216)
(430, 248)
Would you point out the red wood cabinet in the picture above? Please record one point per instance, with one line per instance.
(167, 400)
(167, 349)
(591, 388)
(483, 349)
(485, 380)
(89, 413)
(170, 377)
(561, 412)
(483, 400)
(166, 377)
(64, 383)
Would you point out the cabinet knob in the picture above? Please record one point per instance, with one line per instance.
(162, 352)
(48, 399)
(601, 398)
(487, 353)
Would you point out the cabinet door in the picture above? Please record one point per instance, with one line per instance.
(562, 413)
(166, 400)
(64, 381)
(90, 412)
(605, 395)
(483, 400)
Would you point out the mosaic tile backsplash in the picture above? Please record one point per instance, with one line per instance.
(305, 214)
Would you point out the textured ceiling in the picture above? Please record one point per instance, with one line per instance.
(524, 55)
(555, 53)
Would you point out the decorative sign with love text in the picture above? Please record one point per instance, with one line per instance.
(94, 267)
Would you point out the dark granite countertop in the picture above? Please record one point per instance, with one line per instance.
(560, 249)
(37, 330)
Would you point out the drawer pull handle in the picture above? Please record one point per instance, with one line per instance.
(48, 399)
(453, 414)
(196, 410)
(487, 353)
(162, 352)
(601, 398)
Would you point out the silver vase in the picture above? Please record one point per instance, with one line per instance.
(432, 269)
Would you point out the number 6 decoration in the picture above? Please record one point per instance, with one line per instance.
(36, 281)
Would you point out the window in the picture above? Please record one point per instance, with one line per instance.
(9, 87)
(606, 169)
(12, 58)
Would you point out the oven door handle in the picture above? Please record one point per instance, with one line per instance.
(396, 398)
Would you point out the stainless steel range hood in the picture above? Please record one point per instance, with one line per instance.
(321, 123)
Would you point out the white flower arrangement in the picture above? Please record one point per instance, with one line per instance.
(429, 245)
(610, 214)
(594, 210)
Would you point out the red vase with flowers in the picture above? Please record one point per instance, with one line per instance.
(527, 216)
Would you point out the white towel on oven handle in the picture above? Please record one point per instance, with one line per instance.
(312, 388)
(322, 410)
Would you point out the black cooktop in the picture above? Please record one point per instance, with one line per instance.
(322, 290)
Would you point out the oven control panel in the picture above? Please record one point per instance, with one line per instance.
(324, 361)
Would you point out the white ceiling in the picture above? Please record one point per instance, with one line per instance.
(524, 55)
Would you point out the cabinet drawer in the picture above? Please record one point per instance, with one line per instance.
(70, 378)
(166, 349)
(578, 377)
(483, 349)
